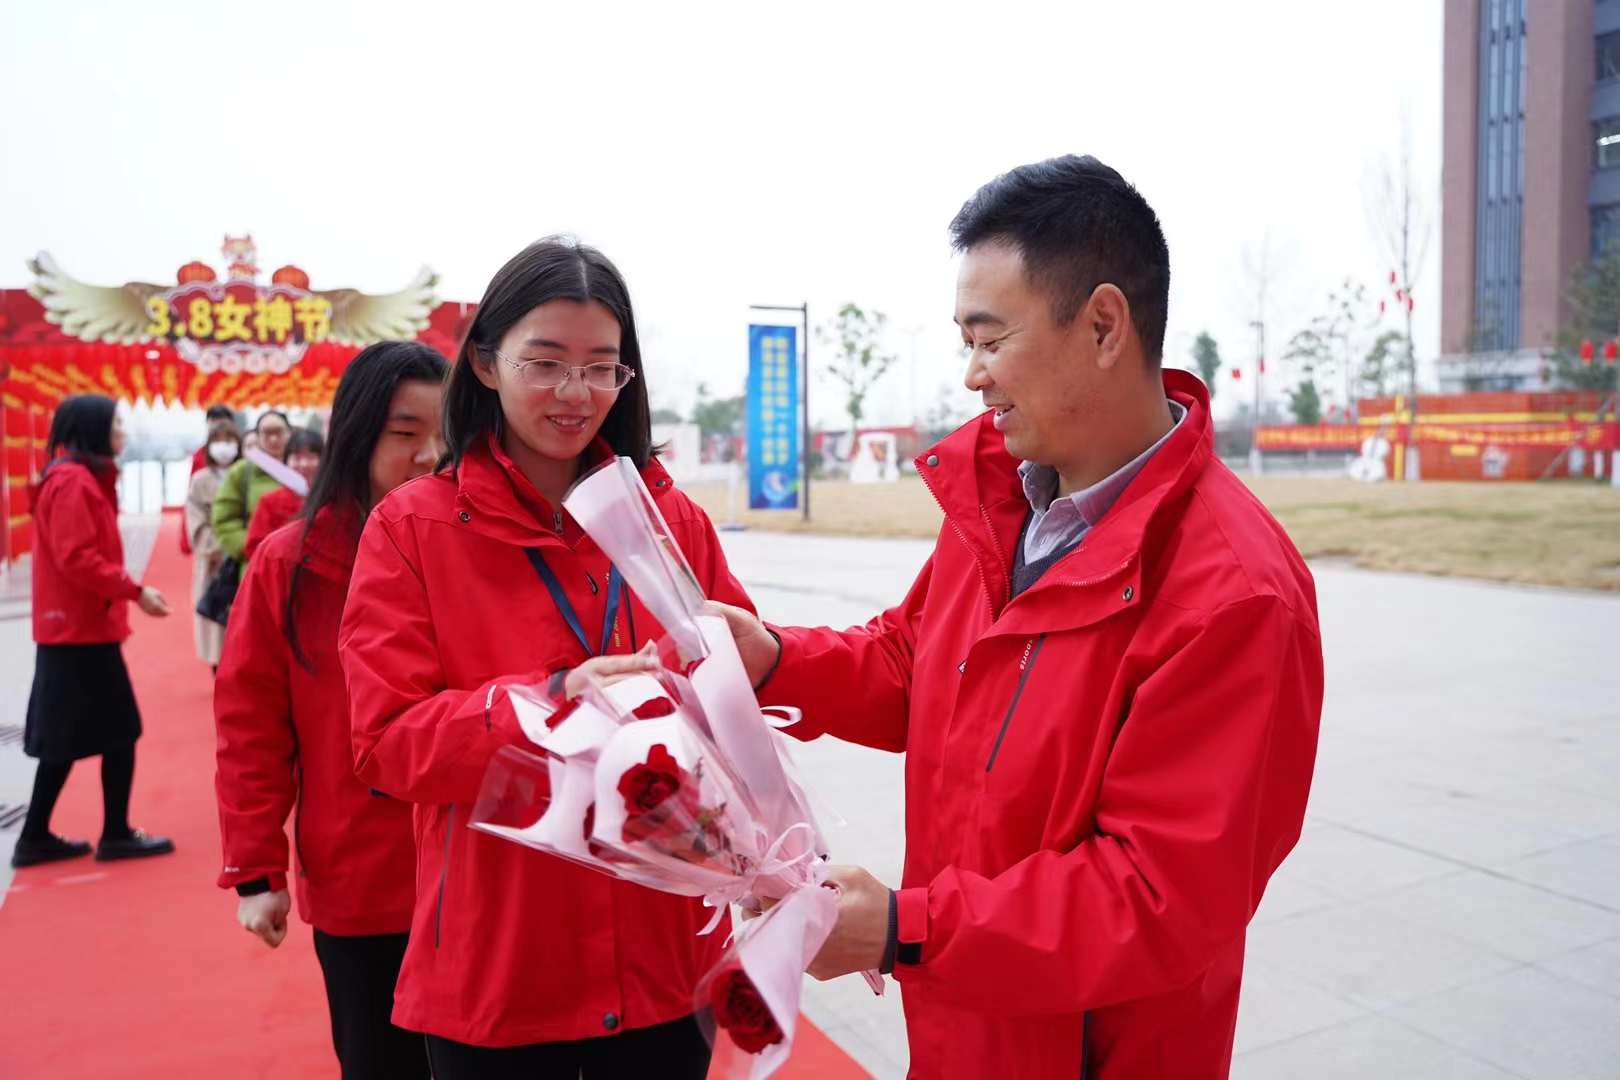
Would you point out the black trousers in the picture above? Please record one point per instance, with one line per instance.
(673, 1051)
(360, 975)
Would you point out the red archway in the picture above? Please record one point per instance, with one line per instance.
(40, 365)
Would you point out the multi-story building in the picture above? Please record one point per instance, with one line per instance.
(1530, 178)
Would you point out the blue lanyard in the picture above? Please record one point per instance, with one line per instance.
(566, 609)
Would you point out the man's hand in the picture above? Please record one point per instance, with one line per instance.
(758, 649)
(151, 601)
(265, 915)
(862, 931)
(610, 669)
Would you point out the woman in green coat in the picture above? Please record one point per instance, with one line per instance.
(246, 483)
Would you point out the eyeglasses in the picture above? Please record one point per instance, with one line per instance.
(551, 374)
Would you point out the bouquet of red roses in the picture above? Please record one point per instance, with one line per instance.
(676, 781)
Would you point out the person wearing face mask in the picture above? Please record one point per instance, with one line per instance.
(200, 459)
(283, 719)
(223, 449)
(475, 579)
(260, 472)
(303, 456)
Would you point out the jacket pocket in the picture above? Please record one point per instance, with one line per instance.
(444, 873)
(1026, 668)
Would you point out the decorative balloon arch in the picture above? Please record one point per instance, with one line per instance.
(202, 341)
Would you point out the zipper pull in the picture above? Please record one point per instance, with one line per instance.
(556, 520)
(592, 581)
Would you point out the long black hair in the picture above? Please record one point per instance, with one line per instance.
(556, 268)
(359, 416)
(82, 426)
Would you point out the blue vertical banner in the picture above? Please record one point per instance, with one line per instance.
(773, 418)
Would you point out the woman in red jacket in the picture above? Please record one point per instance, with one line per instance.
(283, 720)
(472, 580)
(82, 703)
(276, 508)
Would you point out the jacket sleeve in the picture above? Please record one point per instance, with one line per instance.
(199, 517)
(257, 746)
(229, 516)
(853, 684)
(1202, 797)
(74, 538)
(415, 737)
(273, 512)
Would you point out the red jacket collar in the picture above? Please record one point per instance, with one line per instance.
(329, 545)
(101, 471)
(502, 503)
(977, 485)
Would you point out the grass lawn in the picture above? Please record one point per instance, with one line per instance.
(1563, 533)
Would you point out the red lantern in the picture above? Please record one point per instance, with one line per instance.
(194, 272)
(1237, 373)
(1262, 365)
(1586, 352)
(1400, 294)
(1380, 307)
(1392, 278)
(1609, 351)
(1409, 304)
(292, 277)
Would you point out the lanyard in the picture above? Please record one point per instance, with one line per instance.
(566, 609)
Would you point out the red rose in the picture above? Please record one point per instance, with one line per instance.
(742, 1012)
(653, 708)
(647, 784)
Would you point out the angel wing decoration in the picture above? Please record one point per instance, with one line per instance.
(360, 319)
(92, 312)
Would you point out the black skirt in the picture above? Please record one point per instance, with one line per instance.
(82, 703)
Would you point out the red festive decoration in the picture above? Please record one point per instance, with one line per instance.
(291, 276)
(1392, 278)
(1380, 307)
(1586, 352)
(194, 272)
(1237, 373)
(1409, 303)
(1609, 351)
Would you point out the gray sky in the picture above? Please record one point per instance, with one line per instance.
(805, 152)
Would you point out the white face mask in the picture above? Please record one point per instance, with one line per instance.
(222, 453)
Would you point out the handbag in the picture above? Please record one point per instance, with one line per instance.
(217, 598)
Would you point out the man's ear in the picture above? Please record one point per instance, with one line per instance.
(1106, 319)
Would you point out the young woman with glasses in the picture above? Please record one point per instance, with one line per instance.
(473, 580)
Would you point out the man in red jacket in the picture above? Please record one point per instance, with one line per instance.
(1107, 680)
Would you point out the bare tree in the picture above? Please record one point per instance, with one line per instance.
(1402, 222)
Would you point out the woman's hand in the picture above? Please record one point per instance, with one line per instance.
(265, 915)
(151, 601)
(610, 669)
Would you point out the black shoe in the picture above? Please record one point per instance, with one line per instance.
(51, 849)
(137, 845)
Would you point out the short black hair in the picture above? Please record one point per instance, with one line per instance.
(221, 412)
(1078, 224)
(304, 441)
(82, 425)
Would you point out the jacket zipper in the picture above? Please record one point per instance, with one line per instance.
(444, 872)
(984, 582)
(1032, 653)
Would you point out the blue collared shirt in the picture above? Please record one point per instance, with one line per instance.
(1059, 524)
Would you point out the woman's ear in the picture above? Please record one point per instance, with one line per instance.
(483, 367)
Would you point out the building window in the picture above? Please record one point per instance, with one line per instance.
(1605, 228)
(1606, 144)
(1608, 56)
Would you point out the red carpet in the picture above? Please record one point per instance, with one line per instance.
(138, 970)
